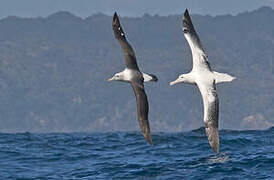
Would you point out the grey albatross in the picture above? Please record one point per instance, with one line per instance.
(134, 76)
(206, 80)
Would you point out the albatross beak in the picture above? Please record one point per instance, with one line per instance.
(174, 82)
(110, 79)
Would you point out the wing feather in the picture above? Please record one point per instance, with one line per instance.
(211, 114)
(142, 108)
(130, 58)
(199, 56)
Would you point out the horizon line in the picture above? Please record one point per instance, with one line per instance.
(128, 16)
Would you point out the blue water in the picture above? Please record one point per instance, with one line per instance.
(186, 155)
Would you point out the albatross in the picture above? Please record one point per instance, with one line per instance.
(134, 76)
(206, 80)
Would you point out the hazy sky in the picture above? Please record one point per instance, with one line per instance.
(84, 8)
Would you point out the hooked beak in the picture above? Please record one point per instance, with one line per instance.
(174, 82)
(110, 79)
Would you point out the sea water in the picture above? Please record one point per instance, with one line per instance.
(126, 155)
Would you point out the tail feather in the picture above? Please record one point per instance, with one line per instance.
(149, 77)
(154, 78)
(222, 77)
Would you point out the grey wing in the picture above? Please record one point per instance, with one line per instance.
(119, 34)
(198, 53)
(142, 108)
(211, 114)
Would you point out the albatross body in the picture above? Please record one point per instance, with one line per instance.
(134, 76)
(206, 80)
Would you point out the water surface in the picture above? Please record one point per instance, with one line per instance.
(120, 155)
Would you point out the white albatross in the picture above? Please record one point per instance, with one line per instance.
(206, 80)
(134, 76)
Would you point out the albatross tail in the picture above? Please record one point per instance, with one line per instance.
(222, 77)
(149, 77)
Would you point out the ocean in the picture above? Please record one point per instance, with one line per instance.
(126, 155)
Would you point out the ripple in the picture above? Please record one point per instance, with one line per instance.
(122, 155)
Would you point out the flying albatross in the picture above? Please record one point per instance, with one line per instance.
(134, 76)
(206, 80)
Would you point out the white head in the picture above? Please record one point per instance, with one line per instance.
(180, 79)
(117, 77)
(188, 78)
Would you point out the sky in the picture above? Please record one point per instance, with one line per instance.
(85, 8)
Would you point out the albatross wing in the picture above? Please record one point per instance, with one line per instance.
(211, 114)
(142, 107)
(126, 47)
(198, 53)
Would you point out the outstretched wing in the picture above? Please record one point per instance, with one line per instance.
(211, 114)
(198, 53)
(142, 107)
(126, 47)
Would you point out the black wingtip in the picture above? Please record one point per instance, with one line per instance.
(187, 23)
(118, 31)
(115, 15)
(154, 77)
(115, 19)
(186, 15)
(148, 138)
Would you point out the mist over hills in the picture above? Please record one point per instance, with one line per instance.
(53, 72)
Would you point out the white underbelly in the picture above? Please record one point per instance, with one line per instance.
(204, 77)
(130, 74)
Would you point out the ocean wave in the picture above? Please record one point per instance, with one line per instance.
(126, 155)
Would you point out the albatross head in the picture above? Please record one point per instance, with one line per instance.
(117, 77)
(180, 79)
(184, 78)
